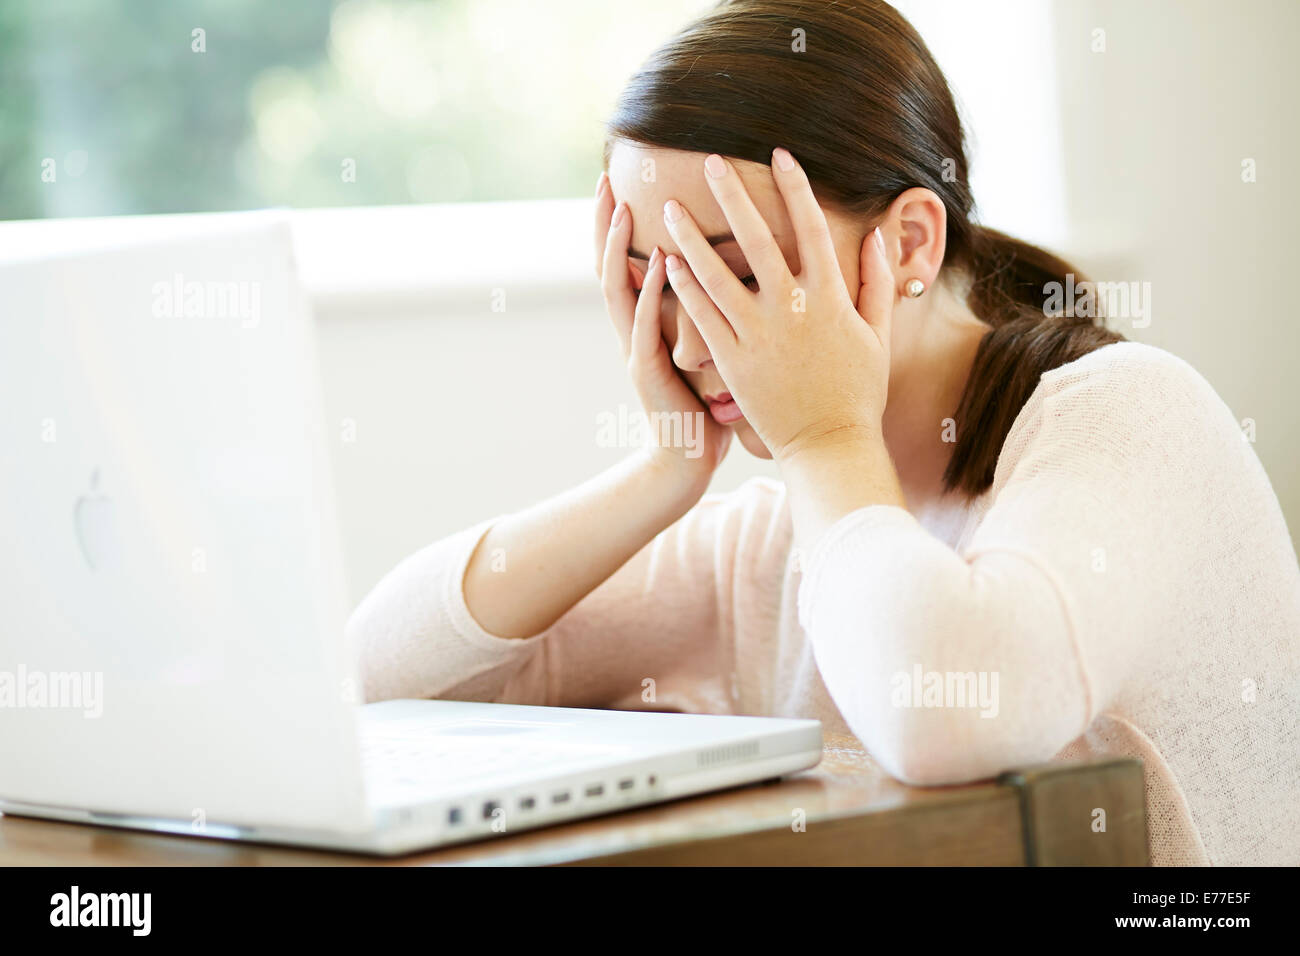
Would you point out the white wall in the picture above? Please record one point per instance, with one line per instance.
(1156, 129)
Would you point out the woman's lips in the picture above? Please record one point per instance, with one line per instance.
(724, 409)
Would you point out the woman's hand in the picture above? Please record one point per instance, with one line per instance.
(684, 437)
(807, 365)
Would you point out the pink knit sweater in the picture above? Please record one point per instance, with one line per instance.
(1126, 587)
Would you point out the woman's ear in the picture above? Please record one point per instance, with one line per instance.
(916, 236)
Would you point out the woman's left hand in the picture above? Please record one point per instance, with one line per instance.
(807, 365)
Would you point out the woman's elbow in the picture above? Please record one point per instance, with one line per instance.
(922, 751)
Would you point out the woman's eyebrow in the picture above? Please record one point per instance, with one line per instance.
(712, 240)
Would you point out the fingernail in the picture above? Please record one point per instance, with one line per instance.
(715, 166)
(673, 263)
(619, 213)
(654, 257)
(880, 241)
(600, 183)
(672, 210)
(783, 158)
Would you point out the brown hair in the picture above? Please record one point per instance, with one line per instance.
(868, 113)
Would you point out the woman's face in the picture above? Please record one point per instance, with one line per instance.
(647, 178)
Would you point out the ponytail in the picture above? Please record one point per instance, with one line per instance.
(1009, 285)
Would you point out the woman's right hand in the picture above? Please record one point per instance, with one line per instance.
(634, 305)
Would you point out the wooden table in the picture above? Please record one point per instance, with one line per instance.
(851, 813)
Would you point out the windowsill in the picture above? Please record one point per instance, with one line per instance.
(385, 258)
(413, 259)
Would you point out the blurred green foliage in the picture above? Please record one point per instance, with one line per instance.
(107, 107)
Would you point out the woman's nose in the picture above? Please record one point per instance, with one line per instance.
(690, 354)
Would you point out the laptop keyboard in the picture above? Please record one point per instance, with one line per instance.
(428, 762)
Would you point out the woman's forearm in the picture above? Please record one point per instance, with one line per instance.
(531, 567)
(848, 471)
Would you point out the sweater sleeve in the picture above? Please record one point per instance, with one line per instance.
(658, 618)
(1018, 642)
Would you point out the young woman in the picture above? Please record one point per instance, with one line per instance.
(977, 492)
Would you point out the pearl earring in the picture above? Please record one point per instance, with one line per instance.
(914, 287)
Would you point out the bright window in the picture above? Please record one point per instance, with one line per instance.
(155, 106)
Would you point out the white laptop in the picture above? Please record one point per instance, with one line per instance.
(172, 599)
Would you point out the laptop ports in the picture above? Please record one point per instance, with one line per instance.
(527, 803)
(454, 815)
(595, 790)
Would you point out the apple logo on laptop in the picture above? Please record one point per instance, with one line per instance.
(96, 525)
